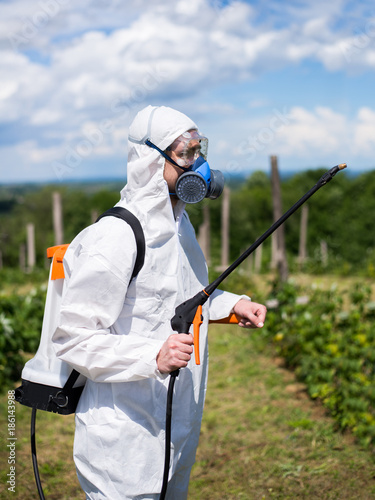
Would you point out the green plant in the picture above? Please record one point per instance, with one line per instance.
(21, 319)
(332, 350)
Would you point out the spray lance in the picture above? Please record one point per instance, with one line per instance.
(190, 312)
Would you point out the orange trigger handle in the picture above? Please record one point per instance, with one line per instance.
(197, 321)
(232, 318)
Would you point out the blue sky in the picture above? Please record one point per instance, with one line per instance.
(293, 78)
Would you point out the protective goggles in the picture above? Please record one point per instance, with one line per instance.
(186, 149)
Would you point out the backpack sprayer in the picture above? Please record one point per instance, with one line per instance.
(190, 312)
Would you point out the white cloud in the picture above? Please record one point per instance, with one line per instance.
(65, 64)
(364, 135)
(302, 138)
(321, 130)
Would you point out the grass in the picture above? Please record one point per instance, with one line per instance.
(54, 449)
(262, 282)
(262, 437)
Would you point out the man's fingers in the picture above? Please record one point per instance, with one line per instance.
(175, 352)
(181, 342)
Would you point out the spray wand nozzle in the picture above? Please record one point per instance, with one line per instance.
(328, 176)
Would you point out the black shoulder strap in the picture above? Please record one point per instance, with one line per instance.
(62, 397)
(124, 214)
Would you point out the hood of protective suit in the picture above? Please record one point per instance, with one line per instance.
(146, 193)
(145, 181)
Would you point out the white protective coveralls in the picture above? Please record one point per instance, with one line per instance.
(111, 331)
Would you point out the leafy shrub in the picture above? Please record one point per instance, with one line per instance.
(237, 282)
(10, 354)
(21, 319)
(332, 350)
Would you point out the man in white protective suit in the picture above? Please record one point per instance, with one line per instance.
(118, 333)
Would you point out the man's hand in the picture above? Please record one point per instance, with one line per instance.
(175, 352)
(251, 314)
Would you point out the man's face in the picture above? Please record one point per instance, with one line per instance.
(184, 151)
(171, 174)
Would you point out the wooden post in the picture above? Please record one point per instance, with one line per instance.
(22, 257)
(302, 253)
(57, 218)
(225, 228)
(94, 216)
(258, 259)
(324, 252)
(204, 234)
(30, 228)
(274, 251)
(281, 259)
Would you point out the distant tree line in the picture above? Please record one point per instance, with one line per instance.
(341, 215)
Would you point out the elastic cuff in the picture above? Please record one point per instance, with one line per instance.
(239, 298)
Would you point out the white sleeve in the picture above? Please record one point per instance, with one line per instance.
(93, 299)
(221, 303)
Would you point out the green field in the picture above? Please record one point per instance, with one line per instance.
(262, 437)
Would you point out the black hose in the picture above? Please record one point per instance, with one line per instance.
(168, 430)
(33, 455)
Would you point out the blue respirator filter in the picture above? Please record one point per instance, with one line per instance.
(199, 183)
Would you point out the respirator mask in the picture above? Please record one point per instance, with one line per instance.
(198, 181)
